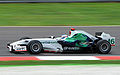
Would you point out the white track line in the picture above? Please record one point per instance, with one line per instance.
(67, 58)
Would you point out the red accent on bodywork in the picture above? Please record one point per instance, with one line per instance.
(17, 58)
(46, 50)
(108, 57)
(69, 33)
(112, 44)
(49, 51)
(52, 51)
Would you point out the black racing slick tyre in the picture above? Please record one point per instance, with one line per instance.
(35, 47)
(22, 38)
(103, 47)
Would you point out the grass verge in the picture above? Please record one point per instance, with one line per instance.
(59, 62)
(59, 14)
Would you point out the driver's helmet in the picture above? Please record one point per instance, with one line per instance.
(64, 37)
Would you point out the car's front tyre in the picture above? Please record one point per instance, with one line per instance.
(35, 47)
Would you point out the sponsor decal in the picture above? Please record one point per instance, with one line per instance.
(71, 48)
(112, 41)
(48, 42)
(104, 35)
(20, 48)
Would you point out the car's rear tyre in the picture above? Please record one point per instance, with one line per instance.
(22, 38)
(103, 47)
(35, 47)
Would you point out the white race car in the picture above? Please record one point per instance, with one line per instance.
(77, 40)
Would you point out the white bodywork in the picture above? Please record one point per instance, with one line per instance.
(47, 43)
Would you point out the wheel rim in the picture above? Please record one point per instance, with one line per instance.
(104, 47)
(36, 47)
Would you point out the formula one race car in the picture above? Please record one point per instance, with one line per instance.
(77, 40)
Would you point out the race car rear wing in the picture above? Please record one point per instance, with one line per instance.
(105, 36)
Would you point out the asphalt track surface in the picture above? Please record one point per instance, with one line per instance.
(62, 70)
(10, 34)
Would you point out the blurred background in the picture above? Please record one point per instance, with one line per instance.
(59, 12)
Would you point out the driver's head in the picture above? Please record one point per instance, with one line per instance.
(72, 29)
